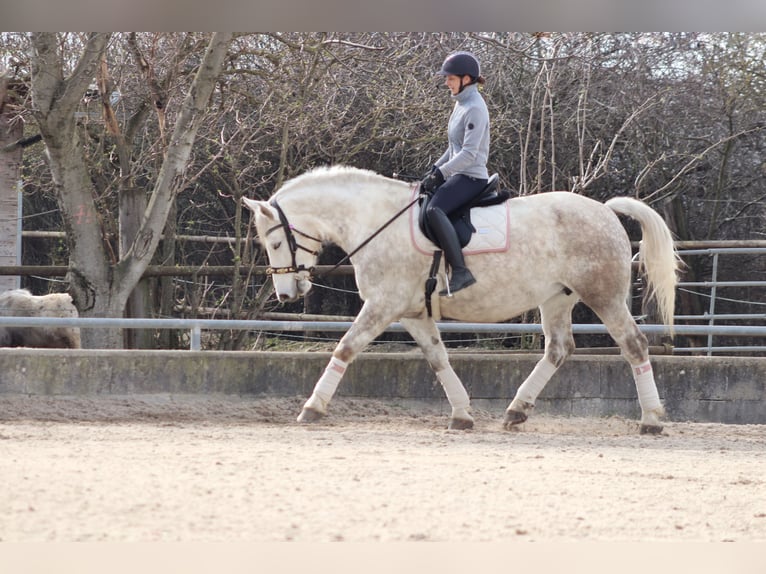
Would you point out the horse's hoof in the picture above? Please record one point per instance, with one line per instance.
(650, 429)
(513, 418)
(460, 424)
(310, 416)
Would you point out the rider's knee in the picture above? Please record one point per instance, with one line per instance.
(432, 211)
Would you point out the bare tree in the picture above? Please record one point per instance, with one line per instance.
(100, 280)
(674, 118)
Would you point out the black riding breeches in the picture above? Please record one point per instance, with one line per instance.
(457, 191)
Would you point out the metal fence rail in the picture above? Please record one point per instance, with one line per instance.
(714, 284)
(710, 329)
(196, 326)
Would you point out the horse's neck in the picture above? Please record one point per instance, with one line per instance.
(346, 217)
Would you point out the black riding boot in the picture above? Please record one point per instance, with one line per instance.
(448, 240)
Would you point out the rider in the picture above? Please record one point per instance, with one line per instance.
(460, 173)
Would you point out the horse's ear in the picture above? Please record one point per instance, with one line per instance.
(261, 207)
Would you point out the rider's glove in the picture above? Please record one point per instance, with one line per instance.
(432, 181)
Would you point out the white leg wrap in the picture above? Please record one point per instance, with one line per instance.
(536, 381)
(328, 382)
(453, 388)
(648, 397)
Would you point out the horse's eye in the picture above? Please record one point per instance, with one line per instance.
(276, 245)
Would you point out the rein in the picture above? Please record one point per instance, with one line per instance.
(294, 245)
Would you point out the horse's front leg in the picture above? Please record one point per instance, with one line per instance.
(427, 336)
(370, 323)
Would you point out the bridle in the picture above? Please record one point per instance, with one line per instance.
(292, 243)
(291, 231)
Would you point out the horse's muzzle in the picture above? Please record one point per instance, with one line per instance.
(287, 298)
(292, 291)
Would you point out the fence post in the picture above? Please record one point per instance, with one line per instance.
(196, 338)
(714, 281)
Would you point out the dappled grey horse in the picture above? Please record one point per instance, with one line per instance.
(564, 248)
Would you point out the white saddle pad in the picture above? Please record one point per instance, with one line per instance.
(492, 230)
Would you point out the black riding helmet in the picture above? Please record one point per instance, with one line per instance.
(461, 64)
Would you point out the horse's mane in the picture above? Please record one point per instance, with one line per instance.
(337, 175)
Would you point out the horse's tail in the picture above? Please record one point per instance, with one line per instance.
(657, 254)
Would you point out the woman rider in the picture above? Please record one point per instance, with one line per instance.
(461, 173)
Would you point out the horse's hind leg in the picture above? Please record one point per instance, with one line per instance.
(556, 316)
(427, 335)
(368, 324)
(635, 349)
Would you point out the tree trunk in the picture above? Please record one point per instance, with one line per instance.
(170, 180)
(168, 339)
(101, 281)
(10, 173)
(132, 206)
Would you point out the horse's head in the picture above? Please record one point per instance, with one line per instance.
(291, 261)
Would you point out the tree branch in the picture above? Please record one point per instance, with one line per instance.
(170, 177)
(692, 162)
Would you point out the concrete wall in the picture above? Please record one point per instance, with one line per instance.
(729, 390)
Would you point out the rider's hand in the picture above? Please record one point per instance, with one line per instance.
(432, 181)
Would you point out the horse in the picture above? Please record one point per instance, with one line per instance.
(564, 248)
(21, 303)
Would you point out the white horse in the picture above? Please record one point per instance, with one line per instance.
(564, 248)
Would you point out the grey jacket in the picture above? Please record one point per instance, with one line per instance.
(468, 136)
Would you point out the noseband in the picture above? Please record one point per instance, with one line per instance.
(292, 243)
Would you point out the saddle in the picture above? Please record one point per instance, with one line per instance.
(461, 219)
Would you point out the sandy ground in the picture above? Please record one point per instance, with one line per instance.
(190, 468)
